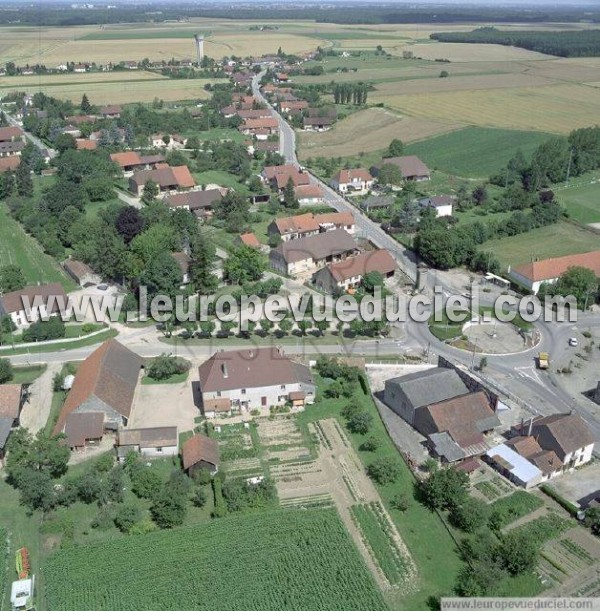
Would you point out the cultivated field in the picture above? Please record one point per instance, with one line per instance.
(297, 560)
(17, 248)
(366, 131)
(463, 52)
(554, 241)
(582, 199)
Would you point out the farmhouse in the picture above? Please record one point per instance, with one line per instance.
(304, 225)
(167, 179)
(111, 112)
(406, 394)
(200, 202)
(200, 452)
(442, 204)
(319, 124)
(129, 161)
(306, 255)
(11, 134)
(412, 167)
(166, 141)
(309, 195)
(278, 176)
(358, 180)
(10, 148)
(253, 113)
(154, 442)
(456, 427)
(533, 275)
(81, 272)
(244, 380)
(348, 274)
(33, 303)
(101, 396)
(261, 128)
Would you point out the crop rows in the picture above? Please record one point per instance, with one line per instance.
(4, 547)
(272, 561)
(381, 544)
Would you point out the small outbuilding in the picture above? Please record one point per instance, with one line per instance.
(200, 452)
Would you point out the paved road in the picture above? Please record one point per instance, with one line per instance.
(43, 147)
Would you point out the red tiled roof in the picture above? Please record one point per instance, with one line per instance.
(348, 176)
(373, 261)
(10, 133)
(308, 191)
(126, 158)
(9, 163)
(200, 448)
(265, 123)
(13, 302)
(10, 400)
(85, 144)
(183, 176)
(250, 239)
(80, 427)
(549, 269)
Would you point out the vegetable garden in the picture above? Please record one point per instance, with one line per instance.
(293, 560)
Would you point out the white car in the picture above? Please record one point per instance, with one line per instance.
(573, 341)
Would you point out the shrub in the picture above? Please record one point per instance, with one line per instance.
(126, 517)
(384, 470)
(166, 366)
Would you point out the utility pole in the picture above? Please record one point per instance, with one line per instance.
(569, 167)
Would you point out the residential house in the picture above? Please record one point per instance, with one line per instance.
(81, 272)
(306, 255)
(130, 161)
(200, 452)
(318, 124)
(267, 146)
(348, 274)
(10, 149)
(174, 141)
(111, 111)
(80, 119)
(167, 178)
(352, 181)
(442, 204)
(291, 107)
(304, 225)
(199, 202)
(412, 167)
(532, 275)
(456, 428)
(253, 379)
(309, 195)
(260, 128)
(278, 176)
(72, 130)
(153, 442)
(102, 394)
(9, 164)
(80, 68)
(33, 303)
(406, 394)
(11, 134)
(254, 113)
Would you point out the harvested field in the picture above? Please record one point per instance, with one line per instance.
(465, 52)
(369, 130)
(556, 109)
(127, 90)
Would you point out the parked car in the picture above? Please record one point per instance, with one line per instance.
(573, 341)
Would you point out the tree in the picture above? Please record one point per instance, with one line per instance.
(390, 174)
(285, 326)
(201, 266)
(395, 148)
(400, 501)
(483, 363)
(369, 445)
(479, 195)
(518, 552)
(129, 223)
(289, 195)
(360, 423)
(11, 278)
(372, 280)
(146, 483)
(64, 142)
(592, 519)
(444, 74)
(126, 517)
(470, 515)
(384, 470)
(24, 182)
(168, 511)
(37, 490)
(445, 488)
(244, 264)
(199, 497)
(162, 276)
(322, 326)
(579, 282)
(6, 371)
(85, 105)
(40, 453)
(166, 366)
(150, 192)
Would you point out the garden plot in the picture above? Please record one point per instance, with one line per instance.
(282, 441)
(238, 452)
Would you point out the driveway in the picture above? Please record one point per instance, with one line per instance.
(36, 411)
(581, 486)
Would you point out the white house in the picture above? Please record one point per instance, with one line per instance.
(33, 303)
(255, 379)
(356, 181)
(442, 204)
(154, 442)
(532, 275)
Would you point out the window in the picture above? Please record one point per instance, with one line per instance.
(159, 450)
(243, 391)
(283, 387)
(218, 393)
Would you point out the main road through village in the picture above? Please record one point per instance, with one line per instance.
(516, 375)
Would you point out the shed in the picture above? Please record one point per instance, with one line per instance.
(513, 466)
(200, 452)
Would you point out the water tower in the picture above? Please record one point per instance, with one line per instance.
(199, 39)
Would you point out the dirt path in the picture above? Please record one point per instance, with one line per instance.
(37, 409)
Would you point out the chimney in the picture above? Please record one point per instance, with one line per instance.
(530, 426)
(224, 370)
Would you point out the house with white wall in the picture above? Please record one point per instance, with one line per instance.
(34, 303)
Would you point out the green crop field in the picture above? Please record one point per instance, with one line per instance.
(582, 201)
(3, 560)
(18, 248)
(293, 560)
(475, 152)
(553, 241)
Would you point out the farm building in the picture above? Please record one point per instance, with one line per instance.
(81, 272)
(377, 202)
(304, 225)
(130, 161)
(279, 175)
(412, 167)
(348, 274)
(240, 381)
(102, 394)
(111, 112)
(306, 255)
(33, 303)
(352, 181)
(249, 239)
(319, 124)
(532, 275)
(154, 442)
(406, 394)
(513, 466)
(199, 202)
(200, 452)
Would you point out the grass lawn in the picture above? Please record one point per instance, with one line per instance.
(18, 248)
(557, 240)
(51, 347)
(582, 200)
(475, 152)
(216, 134)
(28, 374)
(71, 332)
(93, 209)
(424, 533)
(221, 178)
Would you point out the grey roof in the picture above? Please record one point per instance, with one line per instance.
(5, 427)
(377, 201)
(446, 447)
(430, 386)
(317, 247)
